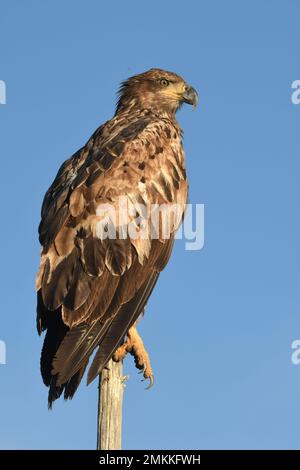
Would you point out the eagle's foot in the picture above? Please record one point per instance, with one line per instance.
(120, 353)
(135, 346)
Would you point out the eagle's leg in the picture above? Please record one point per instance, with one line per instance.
(135, 346)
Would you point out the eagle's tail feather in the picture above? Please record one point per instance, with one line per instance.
(66, 352)
(56, 331)
(125, 318)
(69, 388)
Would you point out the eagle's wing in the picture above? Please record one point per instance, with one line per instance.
(91, 289)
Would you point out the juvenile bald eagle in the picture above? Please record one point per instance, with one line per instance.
(91, 286)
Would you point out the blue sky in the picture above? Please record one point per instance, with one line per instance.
(221, 321)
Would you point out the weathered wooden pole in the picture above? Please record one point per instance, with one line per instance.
(111, 388)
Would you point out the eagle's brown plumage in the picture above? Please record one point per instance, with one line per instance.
(91, 290)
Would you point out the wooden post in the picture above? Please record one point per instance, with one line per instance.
(111, 388)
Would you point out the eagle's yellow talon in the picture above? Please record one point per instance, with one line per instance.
(151, 378)
(135, 346)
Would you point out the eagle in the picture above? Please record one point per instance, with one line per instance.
(103, 245)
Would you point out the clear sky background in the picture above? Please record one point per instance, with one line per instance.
(221, 321)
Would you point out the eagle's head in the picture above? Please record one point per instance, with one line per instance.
(158, 90)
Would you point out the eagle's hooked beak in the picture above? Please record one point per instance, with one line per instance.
(190, 96)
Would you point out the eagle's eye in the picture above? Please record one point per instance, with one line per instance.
(164, 82)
